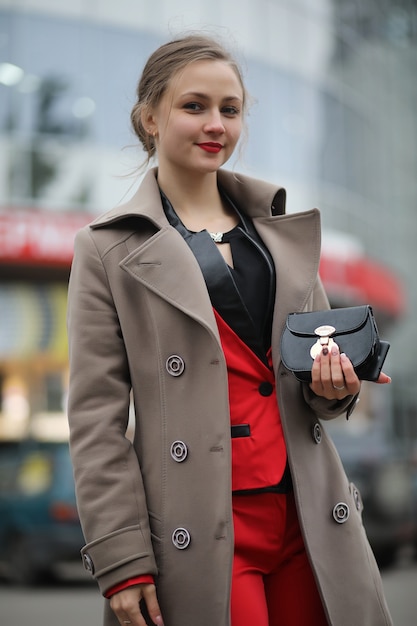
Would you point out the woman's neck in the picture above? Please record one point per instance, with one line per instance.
(198, 203)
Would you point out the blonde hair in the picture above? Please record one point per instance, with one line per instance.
(160, 69)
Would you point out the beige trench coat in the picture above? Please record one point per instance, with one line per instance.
(140, 318)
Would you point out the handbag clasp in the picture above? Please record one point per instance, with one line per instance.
(324, 339)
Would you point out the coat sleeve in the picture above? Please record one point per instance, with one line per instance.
(326, 409)
(109, 487)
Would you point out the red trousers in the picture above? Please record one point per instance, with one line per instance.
(272, 584)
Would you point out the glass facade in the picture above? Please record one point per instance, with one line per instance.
(334, 118)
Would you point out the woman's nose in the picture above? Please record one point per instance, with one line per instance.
(214, 123)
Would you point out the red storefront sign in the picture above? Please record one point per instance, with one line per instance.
(39, 238)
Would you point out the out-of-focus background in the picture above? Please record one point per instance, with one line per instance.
(334, 120)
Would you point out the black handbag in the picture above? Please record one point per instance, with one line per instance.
(353, 329)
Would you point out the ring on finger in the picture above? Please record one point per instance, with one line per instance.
(338, 388)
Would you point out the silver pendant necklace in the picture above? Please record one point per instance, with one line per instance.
(217, 237)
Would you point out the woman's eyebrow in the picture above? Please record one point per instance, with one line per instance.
(198, 94)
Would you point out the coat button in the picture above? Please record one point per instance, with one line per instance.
(181, 538)
(265, 388)
(179, 451)
(317, 435)
(175, 365)
(341, 512)
(88, 563)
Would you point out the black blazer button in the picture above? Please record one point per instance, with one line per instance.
(265, 389)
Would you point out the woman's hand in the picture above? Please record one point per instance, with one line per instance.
(333, 376)
(125, 604)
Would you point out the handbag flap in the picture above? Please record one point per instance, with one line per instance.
(344, 320)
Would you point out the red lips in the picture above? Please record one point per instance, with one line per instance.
(211, 147)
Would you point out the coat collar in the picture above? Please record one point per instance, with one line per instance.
(262, 199)
(293, 241)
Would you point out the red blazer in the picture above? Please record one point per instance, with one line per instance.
(258, 447)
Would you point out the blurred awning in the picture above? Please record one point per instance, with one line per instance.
(350, 277)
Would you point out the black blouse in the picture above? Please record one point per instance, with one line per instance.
(243, 294)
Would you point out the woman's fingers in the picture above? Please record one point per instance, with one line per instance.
(151, 601)
(333, 376)
(383, 379)
(126, 606)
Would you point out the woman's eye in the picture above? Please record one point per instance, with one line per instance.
(197, 107)
(193, 106)
(230, 110)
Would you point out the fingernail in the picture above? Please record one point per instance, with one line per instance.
(335, 350)
(325, 351)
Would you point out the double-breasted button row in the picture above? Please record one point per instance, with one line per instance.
(341, 511)
(175, 365)
(181, 538)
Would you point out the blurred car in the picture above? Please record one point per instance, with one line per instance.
(381, 472)
(39, 524)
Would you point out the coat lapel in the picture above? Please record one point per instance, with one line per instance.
(151, 261)
(293, 241)
(152, 265)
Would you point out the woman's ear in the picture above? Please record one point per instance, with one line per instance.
(148, 121)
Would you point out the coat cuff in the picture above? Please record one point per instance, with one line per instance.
(118, 556)
(139, 580)
(329, 409)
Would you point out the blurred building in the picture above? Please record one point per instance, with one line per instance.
(334, 121)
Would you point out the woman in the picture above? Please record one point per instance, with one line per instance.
(231, 505)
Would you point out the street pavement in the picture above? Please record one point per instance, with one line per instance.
(76, 601)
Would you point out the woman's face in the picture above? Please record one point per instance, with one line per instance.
(199, 119)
